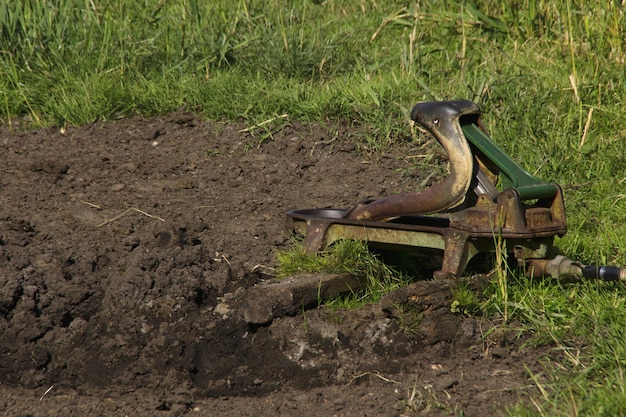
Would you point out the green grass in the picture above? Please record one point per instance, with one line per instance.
(584, 373)
(548, 74)
(351, 257)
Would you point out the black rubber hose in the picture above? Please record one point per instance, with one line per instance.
(605, 273)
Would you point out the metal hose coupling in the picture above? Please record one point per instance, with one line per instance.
(561, 266)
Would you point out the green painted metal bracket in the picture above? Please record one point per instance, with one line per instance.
(513, 175)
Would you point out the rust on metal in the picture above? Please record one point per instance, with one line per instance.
(442, 119)
(461, 216)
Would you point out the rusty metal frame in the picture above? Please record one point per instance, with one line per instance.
(524, 218)
(528, 230)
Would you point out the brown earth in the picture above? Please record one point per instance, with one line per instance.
(126, 246)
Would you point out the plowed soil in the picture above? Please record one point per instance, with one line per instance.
(126, 246)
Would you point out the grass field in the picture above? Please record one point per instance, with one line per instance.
(549, 75)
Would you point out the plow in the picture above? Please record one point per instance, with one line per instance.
(486, 203)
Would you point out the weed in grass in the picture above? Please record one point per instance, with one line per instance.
(464, 300)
